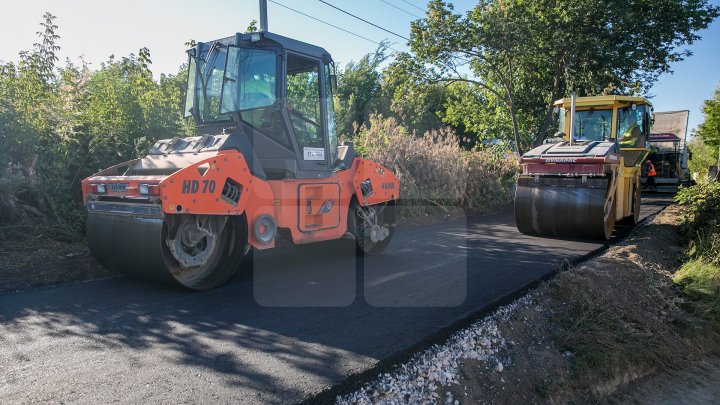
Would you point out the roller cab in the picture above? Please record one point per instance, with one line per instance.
(579, 185)
(267, 165)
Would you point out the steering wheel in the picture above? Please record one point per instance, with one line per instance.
(302, 117)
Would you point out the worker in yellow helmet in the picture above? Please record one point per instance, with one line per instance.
(258, 90)
(631, 136)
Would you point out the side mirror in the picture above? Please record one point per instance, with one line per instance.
(333, 84)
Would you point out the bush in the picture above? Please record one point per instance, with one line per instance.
(699, 277)
(434, 171)
(700, 284)
(701, 219)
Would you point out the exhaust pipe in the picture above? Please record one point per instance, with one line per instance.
(572, 117)
(263, 16)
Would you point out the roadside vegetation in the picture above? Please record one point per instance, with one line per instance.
(59, 124)
(436, 173)
(705, 146)
(699, 277)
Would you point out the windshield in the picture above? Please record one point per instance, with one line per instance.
(590, 125)
(250, 80)
(204, 88)
(248, 83)
(631, 126)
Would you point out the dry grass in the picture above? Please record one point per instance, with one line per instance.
(434, 171)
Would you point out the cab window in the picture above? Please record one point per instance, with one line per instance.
(303, 105)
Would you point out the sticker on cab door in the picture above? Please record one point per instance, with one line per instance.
(314, 153)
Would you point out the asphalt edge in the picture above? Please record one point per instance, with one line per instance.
(354, 382)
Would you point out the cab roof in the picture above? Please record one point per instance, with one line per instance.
(262, 38)
(598, 101)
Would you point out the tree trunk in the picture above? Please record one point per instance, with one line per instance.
(516, 131)
(554, 94)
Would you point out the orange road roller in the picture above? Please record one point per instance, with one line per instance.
(266, 166)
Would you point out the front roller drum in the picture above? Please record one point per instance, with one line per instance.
(195, 252)
(565, 207)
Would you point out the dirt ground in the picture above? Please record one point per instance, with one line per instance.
(593, 329)
(28, 264)
(696, 384)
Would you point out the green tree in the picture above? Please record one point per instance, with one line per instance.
(61, 124)
(524, 54)
(358, 95)
(701, 155)
(417, 103)
(709, 130)
(252, 27)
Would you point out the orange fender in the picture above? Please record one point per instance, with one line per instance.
(384, 185)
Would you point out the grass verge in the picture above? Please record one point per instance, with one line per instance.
(699, 281)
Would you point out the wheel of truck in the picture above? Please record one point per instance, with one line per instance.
(372, 226)
(201, 252)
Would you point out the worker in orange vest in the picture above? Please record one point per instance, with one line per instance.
(651, 173)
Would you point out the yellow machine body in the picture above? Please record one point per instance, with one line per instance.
(581, 182)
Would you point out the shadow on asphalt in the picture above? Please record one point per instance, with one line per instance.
(330, 313)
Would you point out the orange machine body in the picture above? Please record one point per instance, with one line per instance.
(312, 210)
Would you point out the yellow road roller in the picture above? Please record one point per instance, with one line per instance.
(580, 182)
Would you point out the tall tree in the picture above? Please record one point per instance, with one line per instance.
(709, 130)
(359, 90)
(417, 103)
(527, 53)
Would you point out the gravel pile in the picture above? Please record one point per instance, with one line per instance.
(420, 380)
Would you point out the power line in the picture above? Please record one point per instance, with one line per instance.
(405, 1)
(332, 25)
(401, 9)
(363, 20)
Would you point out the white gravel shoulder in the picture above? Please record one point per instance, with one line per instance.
(420, 380)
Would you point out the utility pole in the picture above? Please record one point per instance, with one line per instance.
(263, 16)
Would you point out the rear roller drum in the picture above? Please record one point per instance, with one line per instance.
(372, 226)
(198, 252)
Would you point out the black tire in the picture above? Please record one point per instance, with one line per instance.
(387, 216)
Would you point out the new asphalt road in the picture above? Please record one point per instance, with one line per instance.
(294, 322)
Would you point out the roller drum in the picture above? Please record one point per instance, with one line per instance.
(137, 247)
(564, 207)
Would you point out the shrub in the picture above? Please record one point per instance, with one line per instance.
(699, 277)
(701, 219)
(434, 171)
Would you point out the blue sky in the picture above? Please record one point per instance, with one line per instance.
(95, 29)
